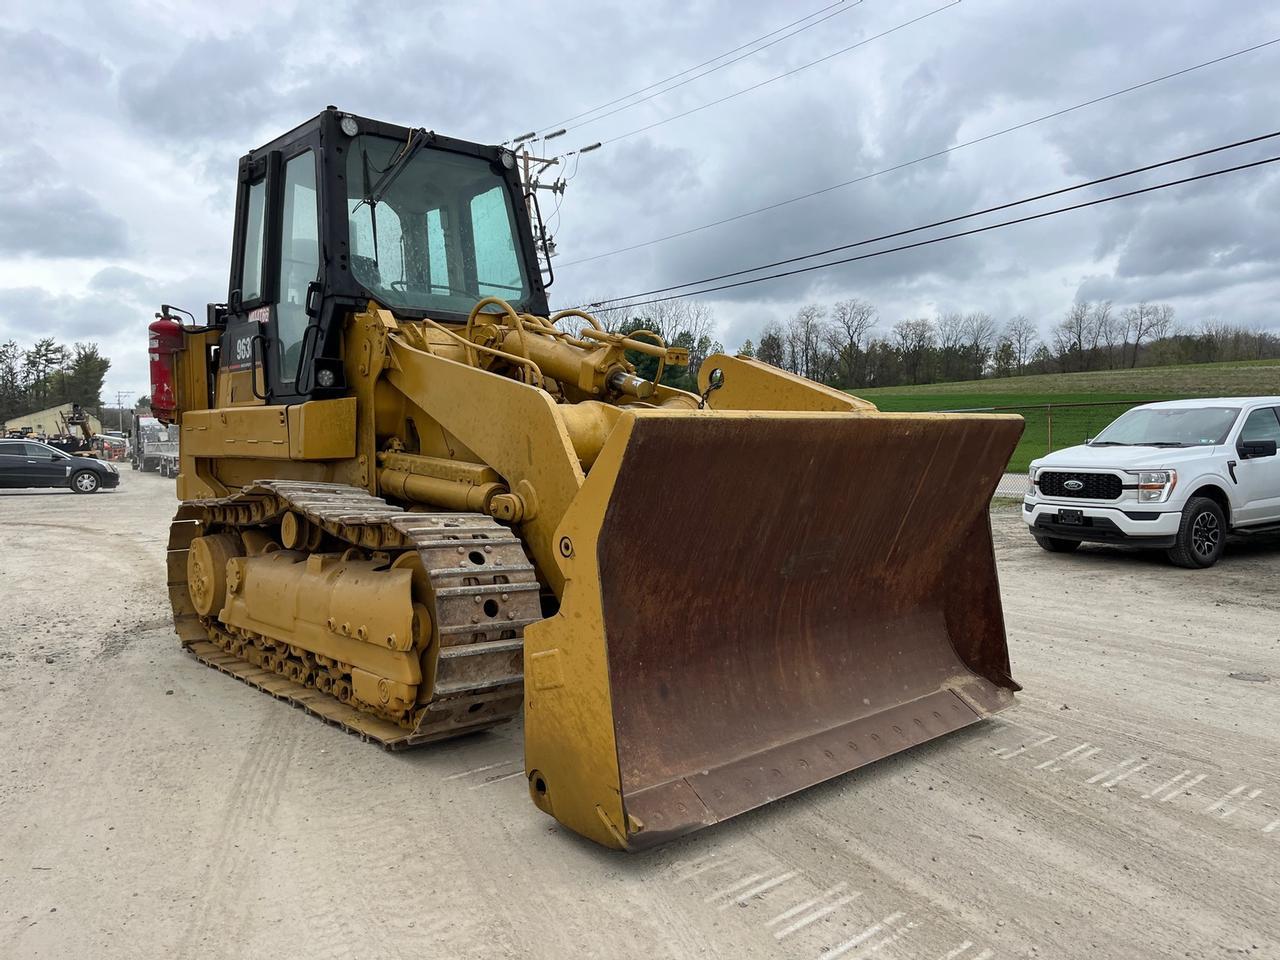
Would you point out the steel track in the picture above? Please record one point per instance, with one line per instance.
(482, 593)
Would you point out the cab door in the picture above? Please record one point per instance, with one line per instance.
(297, 274)
(1258, 474)
(241, 377)
(275, 278)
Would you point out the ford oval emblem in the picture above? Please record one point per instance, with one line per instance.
(1073, 485)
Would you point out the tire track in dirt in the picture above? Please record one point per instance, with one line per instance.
(247, 823)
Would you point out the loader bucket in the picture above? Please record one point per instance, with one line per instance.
(776, 599)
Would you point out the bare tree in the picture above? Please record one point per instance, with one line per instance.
(1022, 335)
(1162, 325)
(1220, 341)
(806, 334)
(913, 339)
(1111, 329)
(1099, 324)
(979, 341)
(950, 330)
(851, 323)
(1072, 336)
(1145, 321)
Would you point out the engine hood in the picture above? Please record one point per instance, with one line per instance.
(1124, 458)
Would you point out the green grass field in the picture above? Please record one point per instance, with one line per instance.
(1120, 389)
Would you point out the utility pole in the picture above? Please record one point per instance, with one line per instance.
(529, 178)
(120, 395)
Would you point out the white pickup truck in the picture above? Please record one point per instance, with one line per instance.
(1178, 475)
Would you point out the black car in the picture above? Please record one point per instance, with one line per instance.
(30, 463)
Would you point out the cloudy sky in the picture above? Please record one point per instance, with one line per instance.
(126, 121)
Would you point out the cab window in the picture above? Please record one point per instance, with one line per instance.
(299, 259)
(1261, 425)
(254, 235)
(442, 232)
(493, 233)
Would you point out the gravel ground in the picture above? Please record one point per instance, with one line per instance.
(1129, 806)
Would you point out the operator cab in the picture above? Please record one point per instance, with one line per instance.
(343, 210)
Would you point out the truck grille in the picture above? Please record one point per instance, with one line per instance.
(1096, 486)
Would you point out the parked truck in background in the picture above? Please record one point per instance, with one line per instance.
(166, 451)
(1178, 476)
(155, 446)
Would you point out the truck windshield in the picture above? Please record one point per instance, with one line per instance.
(1169, 426)
(443, 234)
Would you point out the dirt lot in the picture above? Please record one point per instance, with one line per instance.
(150, 807)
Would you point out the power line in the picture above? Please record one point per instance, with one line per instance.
(953, 236)
(698, 76)
(929, 156)
(780, 76)
(956, 219)
(698, 66)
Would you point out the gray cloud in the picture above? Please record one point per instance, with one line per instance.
(35, 60)
(133, 118)
(44, 215)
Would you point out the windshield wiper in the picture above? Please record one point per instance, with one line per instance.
(1109, 443)
(1163, 443)
(416, 142)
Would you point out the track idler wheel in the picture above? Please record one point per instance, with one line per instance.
(207, 571)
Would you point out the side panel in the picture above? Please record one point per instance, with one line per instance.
(570, 754)
(323, 429)
(315, 430)
(261, 432)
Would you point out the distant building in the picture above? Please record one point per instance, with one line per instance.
(55, 421)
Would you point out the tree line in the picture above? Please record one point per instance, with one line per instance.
(48, 374)
(844, 344)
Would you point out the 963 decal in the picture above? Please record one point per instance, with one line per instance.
(238, 350)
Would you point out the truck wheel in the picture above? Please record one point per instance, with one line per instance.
(1056, 544)
(86, 481)
(1201, 534)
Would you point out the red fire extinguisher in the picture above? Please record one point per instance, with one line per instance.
(165, 340)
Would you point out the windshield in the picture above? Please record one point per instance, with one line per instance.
(1169, 426)
(442, 236)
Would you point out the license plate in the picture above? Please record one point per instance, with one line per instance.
(1071, 516)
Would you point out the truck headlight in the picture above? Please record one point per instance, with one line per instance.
(1155, 486)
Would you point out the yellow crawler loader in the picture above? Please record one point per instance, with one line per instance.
(415, 503)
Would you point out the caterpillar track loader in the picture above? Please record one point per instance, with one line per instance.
(417, 504)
